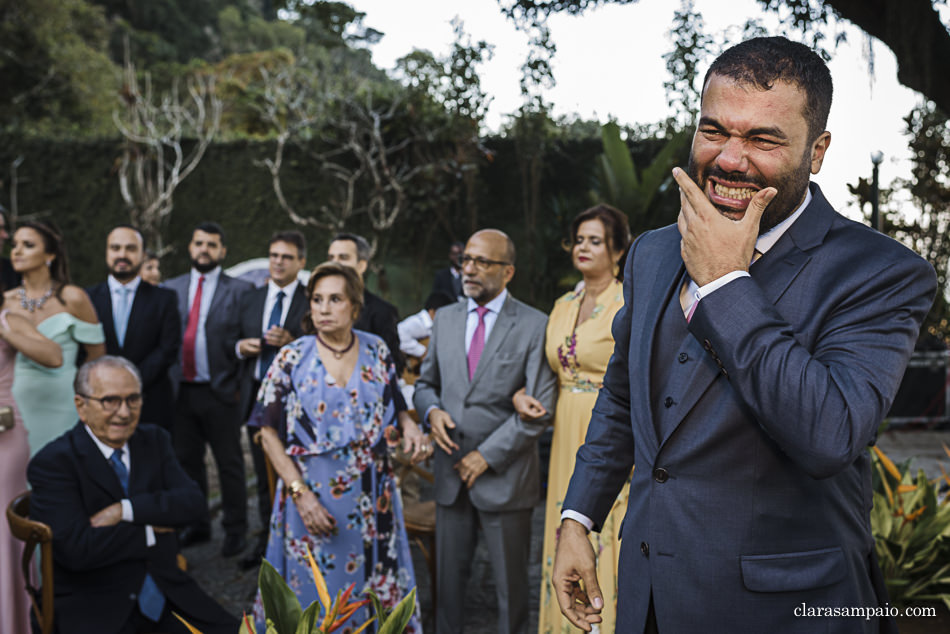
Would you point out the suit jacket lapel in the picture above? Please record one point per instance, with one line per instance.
(139, 307)
(138, 457)
(102, 299)
(456, 360)
(95, 465)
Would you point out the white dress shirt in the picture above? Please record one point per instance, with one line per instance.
(127, 513)
(411, 330)
(695, 293)
(471, 323)
(202, 366)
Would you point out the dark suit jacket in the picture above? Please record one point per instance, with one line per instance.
(220, 328)
(98, 571)
(447, 284)
(481, 407)
(756, 498)
(381, 318)
(251, 313)
(152, 343)
(9, 277)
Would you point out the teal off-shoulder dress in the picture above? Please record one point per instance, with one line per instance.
(44, 396)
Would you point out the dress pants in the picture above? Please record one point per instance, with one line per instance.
(508, 538)
(202, 418)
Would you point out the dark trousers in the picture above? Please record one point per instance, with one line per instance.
(260, 469)
(202, 418)
(508, 541)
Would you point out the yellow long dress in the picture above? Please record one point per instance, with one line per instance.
(579, 356)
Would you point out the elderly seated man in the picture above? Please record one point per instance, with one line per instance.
(113, 492)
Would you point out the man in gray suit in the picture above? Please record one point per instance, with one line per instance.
(207, 410)
(761, 343)
(481, 353)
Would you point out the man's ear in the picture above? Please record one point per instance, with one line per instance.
(818, 149)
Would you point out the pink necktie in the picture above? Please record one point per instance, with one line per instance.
(478, 342)
(191, 333)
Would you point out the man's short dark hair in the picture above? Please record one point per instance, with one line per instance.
(363, 250)
(291, 237)
(210, 227)
(762, 61)
(126, 225)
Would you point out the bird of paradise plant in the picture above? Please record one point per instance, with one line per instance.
(285, 616)
(910, 521)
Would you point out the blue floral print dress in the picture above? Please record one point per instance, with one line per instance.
(339, 437)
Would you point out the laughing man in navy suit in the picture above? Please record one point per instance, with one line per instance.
(761, 343)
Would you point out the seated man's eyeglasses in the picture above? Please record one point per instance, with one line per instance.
(111, 402)
(482, 264)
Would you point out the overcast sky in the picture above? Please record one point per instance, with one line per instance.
(609, 64)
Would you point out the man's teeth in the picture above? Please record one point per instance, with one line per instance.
(735, 193)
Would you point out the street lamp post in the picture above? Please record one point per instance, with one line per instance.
(876, 158)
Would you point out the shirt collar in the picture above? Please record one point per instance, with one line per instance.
(210, 276)
(289, 290)
(768, 239)
(106, 450)
(115, 285)
(494, 305)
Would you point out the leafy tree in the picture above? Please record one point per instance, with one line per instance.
(912, 29)
(55, 75)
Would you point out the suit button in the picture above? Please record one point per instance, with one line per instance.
(706, 345)
(669, 402)
(683, 358)
(132, 597)
(724, 373)
(661, 475)
(645, 549)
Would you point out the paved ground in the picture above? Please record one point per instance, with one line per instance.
(235, 588)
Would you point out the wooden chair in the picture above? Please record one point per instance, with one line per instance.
(34, 533)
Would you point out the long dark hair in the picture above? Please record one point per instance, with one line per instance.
(54, 245)
(616, 228)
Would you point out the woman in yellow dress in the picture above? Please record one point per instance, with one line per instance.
(578, 346)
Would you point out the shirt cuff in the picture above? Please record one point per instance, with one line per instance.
(719, 283)
(149, 535)
(425, 419)
(237, 351)
(127, 515)
(580, 518)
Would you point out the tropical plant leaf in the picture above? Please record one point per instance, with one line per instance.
(281, 605)
(247, 625)
(190, 627)
(309, 619)
(399, 618)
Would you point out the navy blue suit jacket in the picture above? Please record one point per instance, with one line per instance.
(758, 498)
(98, 571)
(152, 343)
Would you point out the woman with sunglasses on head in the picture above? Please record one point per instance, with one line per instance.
(17, 334)
(61, 312)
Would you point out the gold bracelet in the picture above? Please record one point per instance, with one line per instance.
(297, 487)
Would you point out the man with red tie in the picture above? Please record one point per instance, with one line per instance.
(207, 409)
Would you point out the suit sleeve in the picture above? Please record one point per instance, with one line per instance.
(57, 501)
(429, 384)
(385, 320)
(179, 501)
(514, 436)
(154, 367)
(231, 325)
(605, 459)
(822, 404)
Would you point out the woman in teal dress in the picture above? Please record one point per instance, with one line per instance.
(61, 312)
(328, 421)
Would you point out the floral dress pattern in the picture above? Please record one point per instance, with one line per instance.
(339, 437)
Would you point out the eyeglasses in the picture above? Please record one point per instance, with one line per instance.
(112, 403)
(482, 264)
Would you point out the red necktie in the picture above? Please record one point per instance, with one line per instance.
(191, 333)
(478, 342)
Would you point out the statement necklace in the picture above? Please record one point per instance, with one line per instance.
(338, 354)
(31, 304)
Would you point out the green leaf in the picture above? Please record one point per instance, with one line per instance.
(397, 621)
(309, 620)
(280, 603)
(378, 608)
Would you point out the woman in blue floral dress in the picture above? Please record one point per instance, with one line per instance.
(328, 421)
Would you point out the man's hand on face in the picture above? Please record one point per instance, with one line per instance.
(711, 244)
(109, 516)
